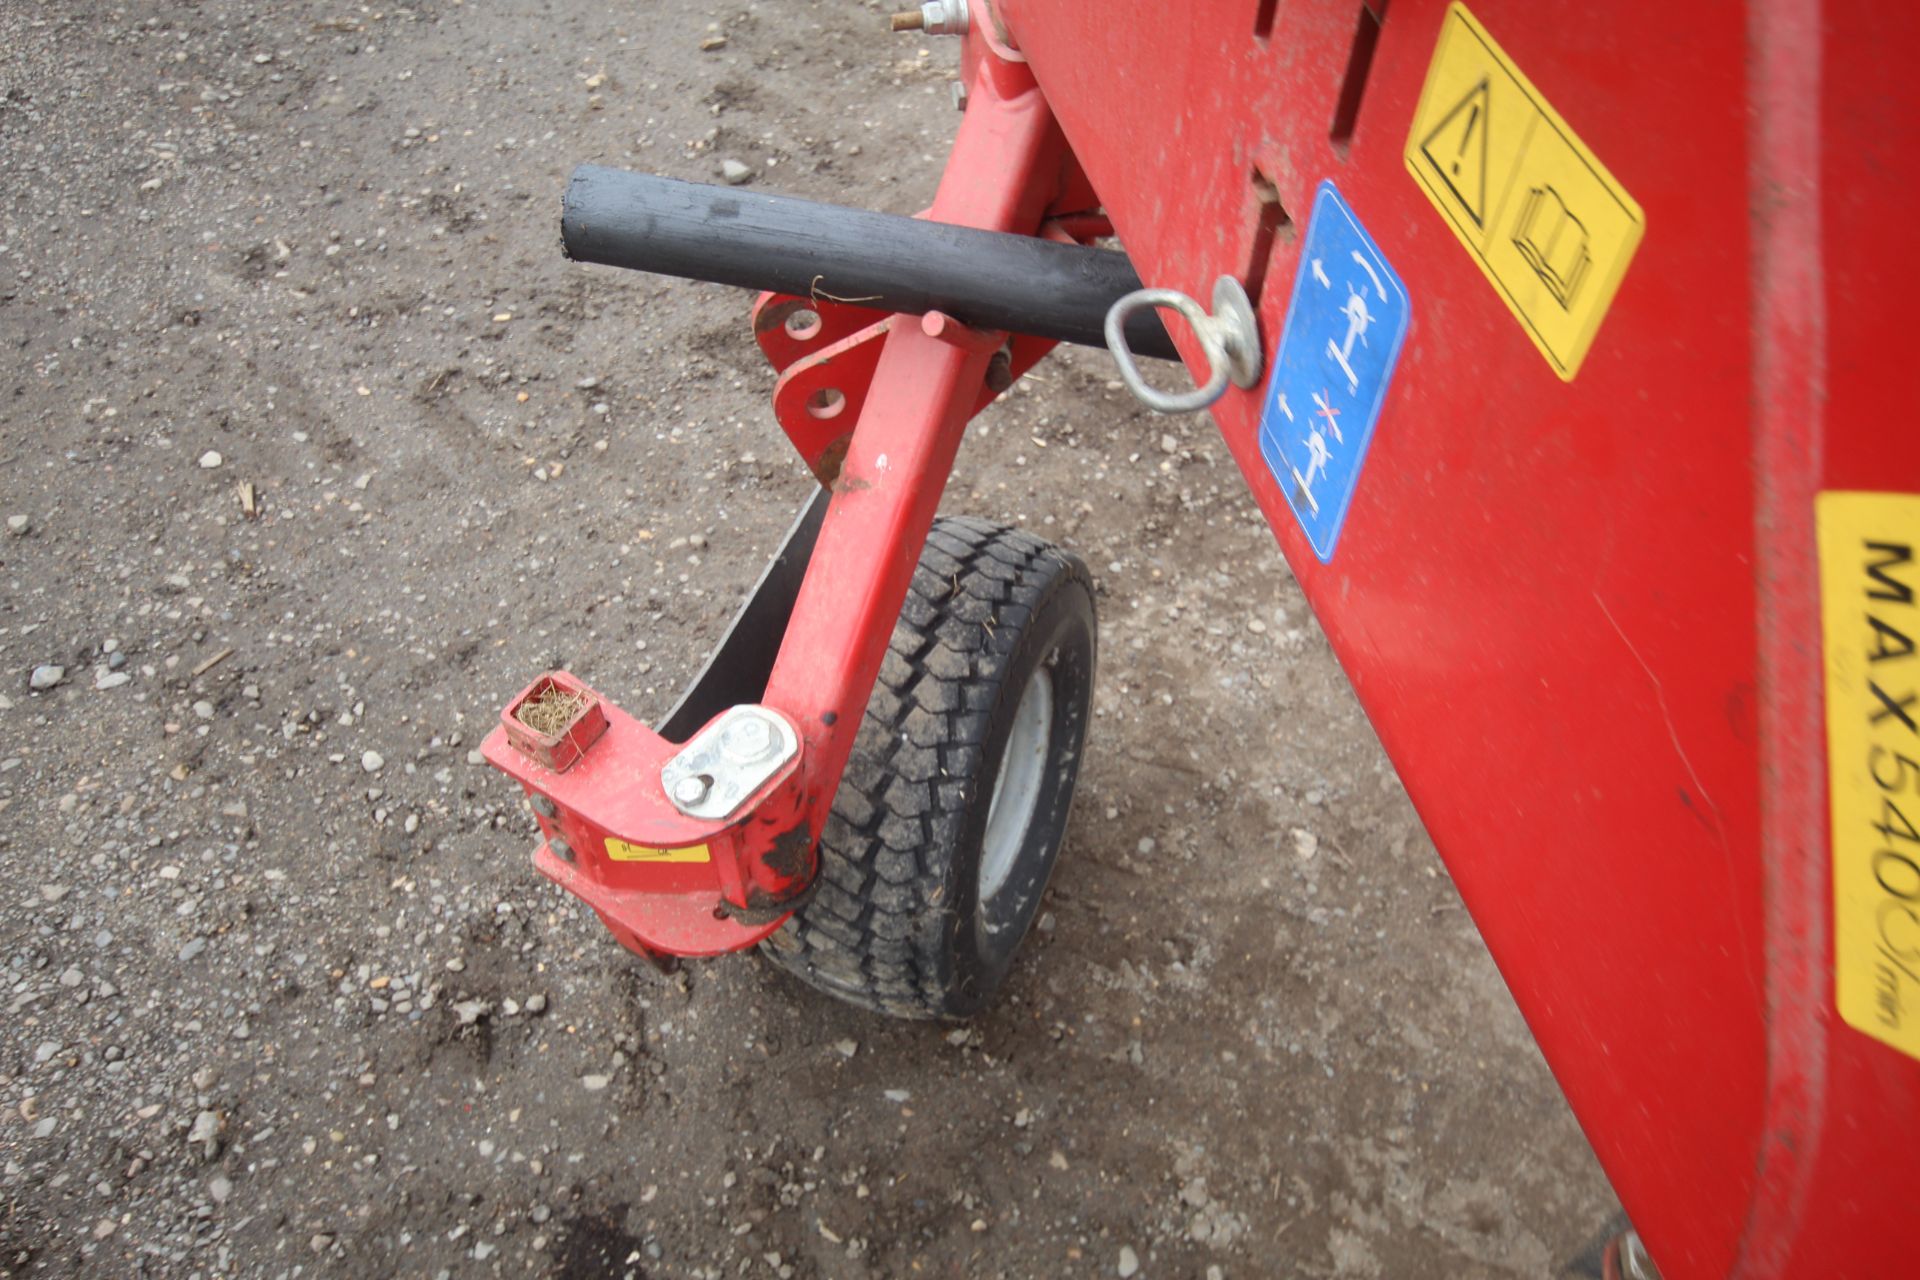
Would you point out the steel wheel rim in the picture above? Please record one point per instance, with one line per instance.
(1016, 791)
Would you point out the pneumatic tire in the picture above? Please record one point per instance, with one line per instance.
(954, 803)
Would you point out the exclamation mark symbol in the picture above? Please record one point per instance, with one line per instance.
(1466, 136)
(1456, 147)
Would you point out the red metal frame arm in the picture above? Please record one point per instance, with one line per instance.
(883, 505)
(924, 390)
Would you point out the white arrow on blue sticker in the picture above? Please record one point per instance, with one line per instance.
(1345, 324)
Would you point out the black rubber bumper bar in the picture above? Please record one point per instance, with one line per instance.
(883, 261)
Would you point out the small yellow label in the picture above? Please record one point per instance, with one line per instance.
(621, 851)
(1544, 219)
(1869, 578)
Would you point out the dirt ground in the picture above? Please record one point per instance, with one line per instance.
(282, 995)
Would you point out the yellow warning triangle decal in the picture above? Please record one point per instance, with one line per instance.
(1457, 150)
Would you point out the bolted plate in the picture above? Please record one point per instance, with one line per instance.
(729, 760)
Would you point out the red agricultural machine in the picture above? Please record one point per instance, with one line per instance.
(1557, 345)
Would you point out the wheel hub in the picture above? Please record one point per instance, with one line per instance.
(1016, 791)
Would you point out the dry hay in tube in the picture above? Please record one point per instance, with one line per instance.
(551, 710)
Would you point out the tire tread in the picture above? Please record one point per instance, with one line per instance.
(875, 933)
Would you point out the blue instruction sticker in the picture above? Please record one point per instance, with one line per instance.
(1344, 328)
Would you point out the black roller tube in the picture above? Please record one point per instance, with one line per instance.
(986, 279)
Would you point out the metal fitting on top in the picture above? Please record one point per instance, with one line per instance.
(936, 18)
(728, 761)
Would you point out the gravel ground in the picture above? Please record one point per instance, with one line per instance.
(314, 450)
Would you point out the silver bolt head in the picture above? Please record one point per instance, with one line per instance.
(691, 789)
(747, 739)
(944, 17)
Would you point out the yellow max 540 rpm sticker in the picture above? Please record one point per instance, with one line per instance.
(1548, 224)
(1870, 623)
(621, 851)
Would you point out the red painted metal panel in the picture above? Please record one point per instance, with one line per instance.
(1583, 615)
(1855, 1158)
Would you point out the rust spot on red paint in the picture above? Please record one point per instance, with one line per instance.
(826, 467)
(851, 484)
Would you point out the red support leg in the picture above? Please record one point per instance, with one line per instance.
(664, 882)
